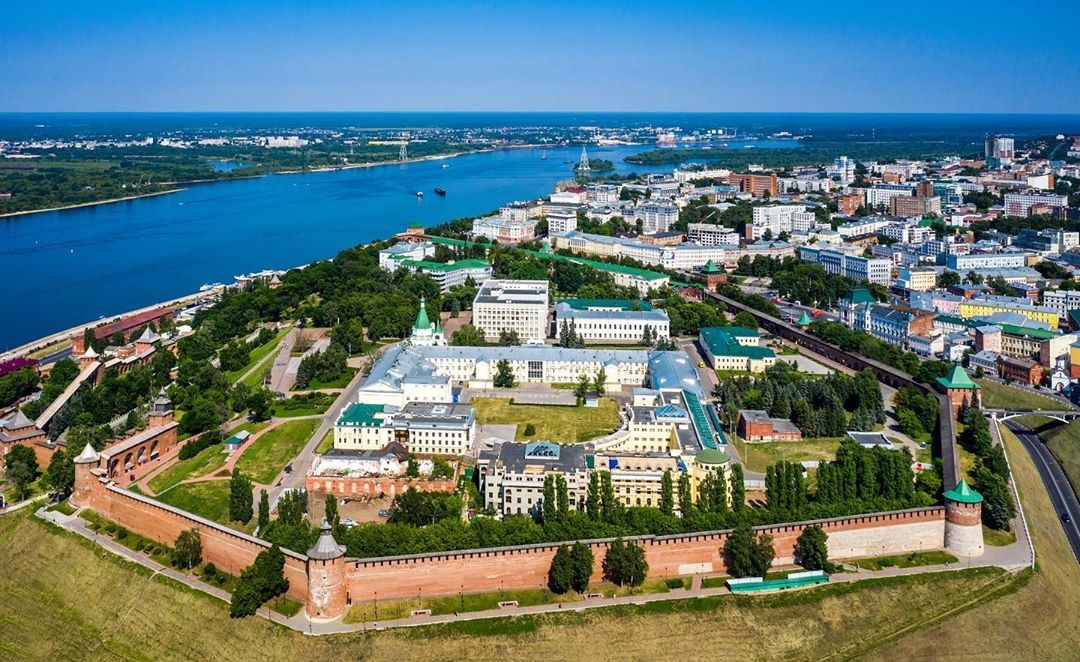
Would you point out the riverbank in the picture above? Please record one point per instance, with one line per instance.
(92, 204)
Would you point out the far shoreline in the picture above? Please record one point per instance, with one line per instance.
(348, 166)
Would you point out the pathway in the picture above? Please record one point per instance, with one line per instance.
(271, 355)
(62, 399)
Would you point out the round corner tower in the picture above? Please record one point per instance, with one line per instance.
(327, 594)
(963, 521)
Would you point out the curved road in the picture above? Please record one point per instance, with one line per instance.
(1057, 485)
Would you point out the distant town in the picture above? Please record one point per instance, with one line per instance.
(710, 381)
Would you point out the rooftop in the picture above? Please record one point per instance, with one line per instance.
(607, 304)
(361, 414)
(957, 378)
(721, 342)
(963, 493)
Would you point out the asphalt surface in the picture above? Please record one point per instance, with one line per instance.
(1057, 485)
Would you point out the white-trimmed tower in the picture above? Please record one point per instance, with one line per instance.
(963, 521)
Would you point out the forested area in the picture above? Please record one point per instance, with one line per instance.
(816, 405)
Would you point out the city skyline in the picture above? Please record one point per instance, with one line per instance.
(559, 57)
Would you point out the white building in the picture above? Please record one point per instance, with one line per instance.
(1061, 300)
(405, 250)
(708, 234)
(857, 268)
(1020, 204)
(512, 305)
(656, 216)
(842, 168)
(611, 321)
(512, 475)
(965, 263)
(506, 231)
(880, 194)
(449, 274)
(561, 222)
(424, 428)
(780, 218)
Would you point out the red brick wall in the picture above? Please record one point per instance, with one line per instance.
(526, 567)
(229, 550)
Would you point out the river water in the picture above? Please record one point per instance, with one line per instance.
(59, 269)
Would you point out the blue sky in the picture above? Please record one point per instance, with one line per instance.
(510, 55)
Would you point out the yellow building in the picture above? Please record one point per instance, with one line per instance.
(983, 307)
(708, 461)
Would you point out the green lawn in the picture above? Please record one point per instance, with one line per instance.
(995, 395)
(203, 463)
(758, 456)
(906, 560)
(255, 379)
(996, 538)
(269, 454)
(327, 442)
(565, 424)
(209, 499)
(340, 382)
(258, 354)
(308, 404)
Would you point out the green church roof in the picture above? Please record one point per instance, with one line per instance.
(804, 320)
(422, 321)
(957, 378)
(963, 493)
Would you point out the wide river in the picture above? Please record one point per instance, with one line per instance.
(60, 269)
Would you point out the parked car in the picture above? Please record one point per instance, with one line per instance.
(349, 522)
(384, 513)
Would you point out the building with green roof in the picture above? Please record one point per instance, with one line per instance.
(735, 348)
(448, 274)
(608, 305)
(963, 493)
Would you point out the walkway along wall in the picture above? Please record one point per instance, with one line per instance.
(668, 556)
(226, 548)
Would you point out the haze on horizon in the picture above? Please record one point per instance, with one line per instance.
(558, 56)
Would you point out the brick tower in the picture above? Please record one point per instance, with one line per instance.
(85, 480)
(960, 389)
(326, 578)
(963, 521)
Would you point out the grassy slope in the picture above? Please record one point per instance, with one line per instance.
(1037, 622)
(1064, 443)
(206, 461)
(63, 597)
(552, 422)
(764, 454)
(269, 454)
(995, 395)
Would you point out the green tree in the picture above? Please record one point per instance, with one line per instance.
(187, 550)
(812, 549)
(592, 497)
(739, 552)
(21, 468)
(562, 494)
(561, 572)
(582, 557)
(600, 382)
(686, 502)
(609, 506)
(333, 518)
(509, 338)
(240, 497)
(738, 488)
(745, 319)
(412, 469)
(998, 508)
(548, 506)
(624, 563)
(264, 511)
(467, 336)
(948, 279)
(350, 335)
(667, 494)
(583, 386)
(530, 430)
(59, 478)
(504, 375)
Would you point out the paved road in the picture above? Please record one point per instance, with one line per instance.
(1057, 485)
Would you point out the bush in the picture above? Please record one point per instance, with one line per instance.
(209, 571)
(529, 430)
(121, 533)
(140, 546)
(674, 582)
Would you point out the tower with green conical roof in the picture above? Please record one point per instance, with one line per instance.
(426, 333)
(963, 520)
(960, 389)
